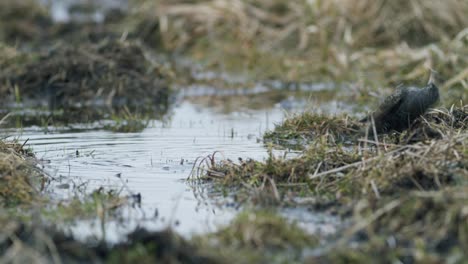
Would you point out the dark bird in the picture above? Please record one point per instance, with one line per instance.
(399, 110)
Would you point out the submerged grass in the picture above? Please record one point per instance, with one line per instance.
(100, 204)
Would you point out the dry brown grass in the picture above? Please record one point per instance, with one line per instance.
(374, 43)
(306, 24)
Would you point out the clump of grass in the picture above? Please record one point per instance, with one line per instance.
(309, 126)
(164, 246)
(263, 230)
(108, 70)
(25, 243)
(437, 124)
(90, 79)
(99, 204)
(339, 173)
(398, 229)
(419, 166)
(127, 122)
(258, 236)
(20, 180)
(22, 20)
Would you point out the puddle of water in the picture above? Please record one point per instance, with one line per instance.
(60, 9)
(155, 163)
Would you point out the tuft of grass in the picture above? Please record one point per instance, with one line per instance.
(396, 230)
(22, 20)
(258, 236)
(309, 126)
(126, 122)
(99, 204)
(391, 164)
(20, 180)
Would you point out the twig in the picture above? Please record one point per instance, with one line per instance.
(355, 164)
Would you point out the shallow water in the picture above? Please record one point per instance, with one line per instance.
(155, 164)
(150, 162)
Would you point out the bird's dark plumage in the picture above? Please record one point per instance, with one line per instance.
(399, 110)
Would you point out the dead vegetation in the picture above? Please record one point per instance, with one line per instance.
(310, 24)
(370, 43)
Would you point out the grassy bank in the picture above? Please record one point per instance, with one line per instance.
(393, 188)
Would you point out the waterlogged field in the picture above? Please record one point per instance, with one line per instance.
(232, 132)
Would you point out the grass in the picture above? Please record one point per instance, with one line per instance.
(258, 236)
(22, 21)
(88, 81)
(20, 180)
(309, 126)
(398, 230)
(373, 44)
(127, 122)
(391, 188)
